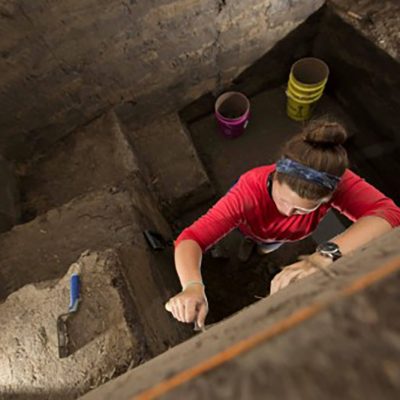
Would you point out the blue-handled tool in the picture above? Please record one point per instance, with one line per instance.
(62, 325)
(74, 289)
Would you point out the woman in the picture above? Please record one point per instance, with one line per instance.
(285, 202)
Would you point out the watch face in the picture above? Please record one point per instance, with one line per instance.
(330, 247)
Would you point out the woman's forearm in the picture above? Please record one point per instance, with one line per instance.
(361, 232)
(188, 257)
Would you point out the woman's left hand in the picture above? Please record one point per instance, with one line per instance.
(290, 274)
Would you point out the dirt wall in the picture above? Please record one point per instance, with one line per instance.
(10, 209)
(365, 80)
(62, 64)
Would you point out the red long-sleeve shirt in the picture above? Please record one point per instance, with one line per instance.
(249, 207)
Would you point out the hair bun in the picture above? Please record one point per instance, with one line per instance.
(325, 133)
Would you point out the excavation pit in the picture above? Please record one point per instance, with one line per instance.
(373, 144)
(187, 165)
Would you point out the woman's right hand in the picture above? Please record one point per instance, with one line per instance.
(190, 305)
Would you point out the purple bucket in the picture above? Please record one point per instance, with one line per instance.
(232, 111)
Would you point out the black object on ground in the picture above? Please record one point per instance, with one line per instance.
(156, 240)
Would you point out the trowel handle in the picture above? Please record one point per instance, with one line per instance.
(74, 293)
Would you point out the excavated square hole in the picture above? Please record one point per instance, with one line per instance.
(361, 94)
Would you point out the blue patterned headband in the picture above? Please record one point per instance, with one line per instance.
(290, 167)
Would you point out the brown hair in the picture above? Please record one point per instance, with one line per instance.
(318, 146)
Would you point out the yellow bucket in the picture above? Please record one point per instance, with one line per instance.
(307, 80)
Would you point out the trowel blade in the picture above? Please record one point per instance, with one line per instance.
(63, 337)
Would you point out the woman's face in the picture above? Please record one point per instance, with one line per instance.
(290, 203)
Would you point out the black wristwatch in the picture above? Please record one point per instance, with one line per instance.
(329, 249)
